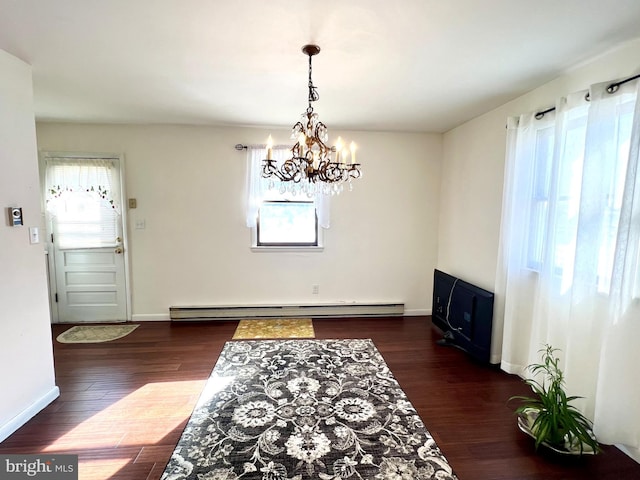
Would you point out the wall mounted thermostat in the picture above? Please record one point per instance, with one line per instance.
(15, 216)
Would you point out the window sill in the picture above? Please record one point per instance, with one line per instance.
(287, 249)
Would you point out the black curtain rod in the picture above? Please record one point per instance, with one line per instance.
(613, 88)
(240, 146)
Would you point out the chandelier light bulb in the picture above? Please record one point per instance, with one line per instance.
(269, 148)
(338, 149)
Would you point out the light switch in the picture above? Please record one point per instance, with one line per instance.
(140, 224)
(133, 203)
(34, 235)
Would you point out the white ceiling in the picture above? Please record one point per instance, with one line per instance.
(403, 65)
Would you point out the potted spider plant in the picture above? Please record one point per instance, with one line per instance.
(548, 415)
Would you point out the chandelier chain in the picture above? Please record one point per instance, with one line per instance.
(313, 91)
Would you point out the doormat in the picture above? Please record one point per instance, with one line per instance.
(275, 328)
(95, 333)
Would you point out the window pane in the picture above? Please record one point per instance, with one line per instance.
(538, 214)
(84, 220)
(542, 167)
(287, 223)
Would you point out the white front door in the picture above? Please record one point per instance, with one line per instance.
(90, 283)
(87, 248)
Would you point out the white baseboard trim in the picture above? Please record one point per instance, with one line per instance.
(416, 312)
(28, 413)
(150, 317)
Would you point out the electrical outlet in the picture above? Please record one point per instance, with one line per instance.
(315, 289)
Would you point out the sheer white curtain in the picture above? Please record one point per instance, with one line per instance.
(258, 188)
(568, 272)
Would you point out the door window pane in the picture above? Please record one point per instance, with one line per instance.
(84, 220)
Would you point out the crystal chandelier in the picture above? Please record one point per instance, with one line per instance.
(314, 167)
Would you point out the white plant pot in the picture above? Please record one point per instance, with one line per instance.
(525, 423)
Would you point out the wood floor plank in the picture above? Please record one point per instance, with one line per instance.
(124, 404)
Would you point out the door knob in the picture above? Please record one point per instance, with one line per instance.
(119, 250)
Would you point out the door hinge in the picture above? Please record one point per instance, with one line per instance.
(56, 298)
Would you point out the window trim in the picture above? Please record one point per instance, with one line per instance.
(317, 246)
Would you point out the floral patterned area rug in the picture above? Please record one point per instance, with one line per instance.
(302, 410)
(275, 328)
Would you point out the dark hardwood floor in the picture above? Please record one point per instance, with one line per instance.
(124, 404)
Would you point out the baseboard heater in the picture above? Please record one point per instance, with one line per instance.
(234, 312)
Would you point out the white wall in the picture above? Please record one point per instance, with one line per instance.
(473, 165)
(26, 355)
(189, 183)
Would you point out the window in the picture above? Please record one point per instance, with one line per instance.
(555, 194)
(285, 223)
(279, 216)
(538, 214)
(81, 201)
(83, 220)
(556, 183)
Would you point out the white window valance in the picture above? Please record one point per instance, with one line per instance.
(95, 176)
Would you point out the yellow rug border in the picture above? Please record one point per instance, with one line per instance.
(255, 329)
